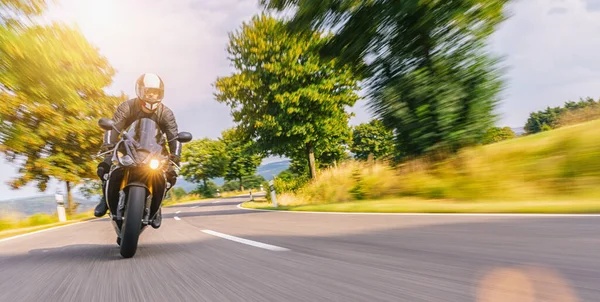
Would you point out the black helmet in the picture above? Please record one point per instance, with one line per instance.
(150, 89)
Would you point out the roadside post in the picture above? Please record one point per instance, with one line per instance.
(272, 189)
(251, 197)
(60, 208)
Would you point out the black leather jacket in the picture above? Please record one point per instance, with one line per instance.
(130, 110)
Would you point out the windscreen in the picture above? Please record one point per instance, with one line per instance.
(147, 133)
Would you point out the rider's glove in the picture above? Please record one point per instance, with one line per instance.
(174, 158)
(102, 169)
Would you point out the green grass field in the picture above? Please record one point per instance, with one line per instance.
(407, 205)
(554, 171)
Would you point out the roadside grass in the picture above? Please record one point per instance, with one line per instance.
(553, 171)
(411, 205)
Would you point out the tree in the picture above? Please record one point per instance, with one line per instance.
(13, 10)
(241, 158)
(497, 134)
(203, 159)
(208, 189)
(51, 91)
(428, 75)
(551, 117)
(372, 138)
(546, 119)
(91, 189)
(283, 96)
(176, 193)
(250, 181)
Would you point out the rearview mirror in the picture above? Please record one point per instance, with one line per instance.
(184, 137)
(106, 124)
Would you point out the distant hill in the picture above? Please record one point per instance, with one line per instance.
(39, 204)
(518, 130)
(268, 171)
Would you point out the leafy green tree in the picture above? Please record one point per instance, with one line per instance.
(242, 160)
(51, 91)
(91, 189)
(208, 189)
(176, 193)
(550, 118)
(283, 96)
(428, 75)
(546, 119)
(372, 138)
(250, 181)
(203, 159)
(497, 134)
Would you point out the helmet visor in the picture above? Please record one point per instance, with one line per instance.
(153, 95)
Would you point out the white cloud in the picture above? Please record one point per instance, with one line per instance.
(552, 58)
(183, 41)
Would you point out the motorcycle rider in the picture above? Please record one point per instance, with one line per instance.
(150, 91)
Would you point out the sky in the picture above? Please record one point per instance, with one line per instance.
(551, 49)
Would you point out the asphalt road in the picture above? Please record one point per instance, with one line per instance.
(277, 256)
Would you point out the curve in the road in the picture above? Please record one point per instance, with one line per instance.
(239, 206)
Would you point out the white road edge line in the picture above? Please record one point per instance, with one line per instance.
(177, 212)
(45, 230)
(177, 218)
(246, 241)
(194, 207)
(239, 206)
(215, 201)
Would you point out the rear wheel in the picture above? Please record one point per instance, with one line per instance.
(132, 224)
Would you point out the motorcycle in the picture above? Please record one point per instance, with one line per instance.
(137, 181)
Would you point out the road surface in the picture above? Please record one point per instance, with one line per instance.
(214, 251)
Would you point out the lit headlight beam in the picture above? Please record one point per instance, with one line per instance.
(154, 164)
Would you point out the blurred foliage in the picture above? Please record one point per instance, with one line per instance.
(580, 115)
(427, 72)
(203, 159)
(558, 165)
(8, 223)
(250, 182)
(288, 181)
(176, 193)
(208, 189)
(41, 219)
(91, 188)
(242, 159)
(372, 138)
(51, 90)
(283, 96)
(571, 113)
(12, 12)
(497, 134)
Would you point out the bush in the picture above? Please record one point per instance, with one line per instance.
(6, 223)
(562, 164)
(497, 134)
(209, 191)
(579, 116)
(41, 219)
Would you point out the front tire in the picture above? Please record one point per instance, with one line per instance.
(132, 224)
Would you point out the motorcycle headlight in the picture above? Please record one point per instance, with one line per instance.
(154, 163)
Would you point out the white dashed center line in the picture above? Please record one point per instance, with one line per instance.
(246, 241)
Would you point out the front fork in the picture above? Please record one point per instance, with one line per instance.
(148, 204)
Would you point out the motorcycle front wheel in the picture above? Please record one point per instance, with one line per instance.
(132, 223)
